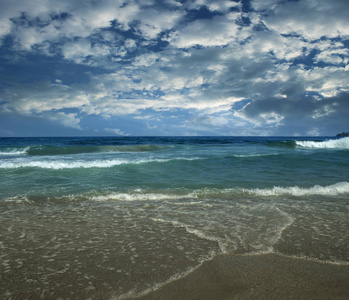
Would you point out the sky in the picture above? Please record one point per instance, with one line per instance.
(174, 67)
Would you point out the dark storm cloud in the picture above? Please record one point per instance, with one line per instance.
(306, 115)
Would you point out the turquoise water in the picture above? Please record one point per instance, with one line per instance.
(72, 166)
(121, 216)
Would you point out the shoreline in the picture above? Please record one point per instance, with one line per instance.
(263, 276)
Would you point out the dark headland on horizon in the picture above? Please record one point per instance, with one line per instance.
(343, 134)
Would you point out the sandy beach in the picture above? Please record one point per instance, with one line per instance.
(267, 276)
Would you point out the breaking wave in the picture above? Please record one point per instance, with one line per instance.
(140, 196)
(336, 189)
(330, 190)
(77, 164)
(342, 143)
(9, 151)
(198, 197)
(47, 150)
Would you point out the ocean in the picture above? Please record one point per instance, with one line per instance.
(118, 217)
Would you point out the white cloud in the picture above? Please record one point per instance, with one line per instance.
(327, 81)
(115, 131)
(205, 123)
(77, 51)
(332, 53)
(271, 118)
(283, 48)
(42, 97)
(261, 5)
(68, 120)
(130, 43)
(313, 132)
(218, 31)
(146, 60)
(154, 21)
(80, 50)
(324, 111)
(213, 5)
(312, 19)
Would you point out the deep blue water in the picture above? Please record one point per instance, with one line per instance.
(127, 214)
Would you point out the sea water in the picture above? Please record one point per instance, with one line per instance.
(114, 217)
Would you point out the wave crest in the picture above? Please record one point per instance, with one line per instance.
(336, 189)
(9, 151)
(198, 196)
(48, 150)
(141, 196)
(330, 190)
(81, 164)
(342, 143)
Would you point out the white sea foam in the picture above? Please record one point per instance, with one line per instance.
(13, 151)
(135, 294)
(17, 199)
(342, 143)
(278, 233)
(137, 196)
(255, 155)
(60, 164)
(222, 243)
(330, 190)
(339, 188)
(76, 164)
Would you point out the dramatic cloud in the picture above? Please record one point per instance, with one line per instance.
(130, 67)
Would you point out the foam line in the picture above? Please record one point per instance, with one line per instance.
(13, 151)
(141, 196)
(76, 164)
(330, 190)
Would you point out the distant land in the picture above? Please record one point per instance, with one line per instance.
(343, 134)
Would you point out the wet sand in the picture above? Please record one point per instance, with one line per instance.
(267, 276)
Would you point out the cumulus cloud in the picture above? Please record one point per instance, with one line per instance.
(312, 19)
(218, 31)
(154, 21)
(66, 119)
